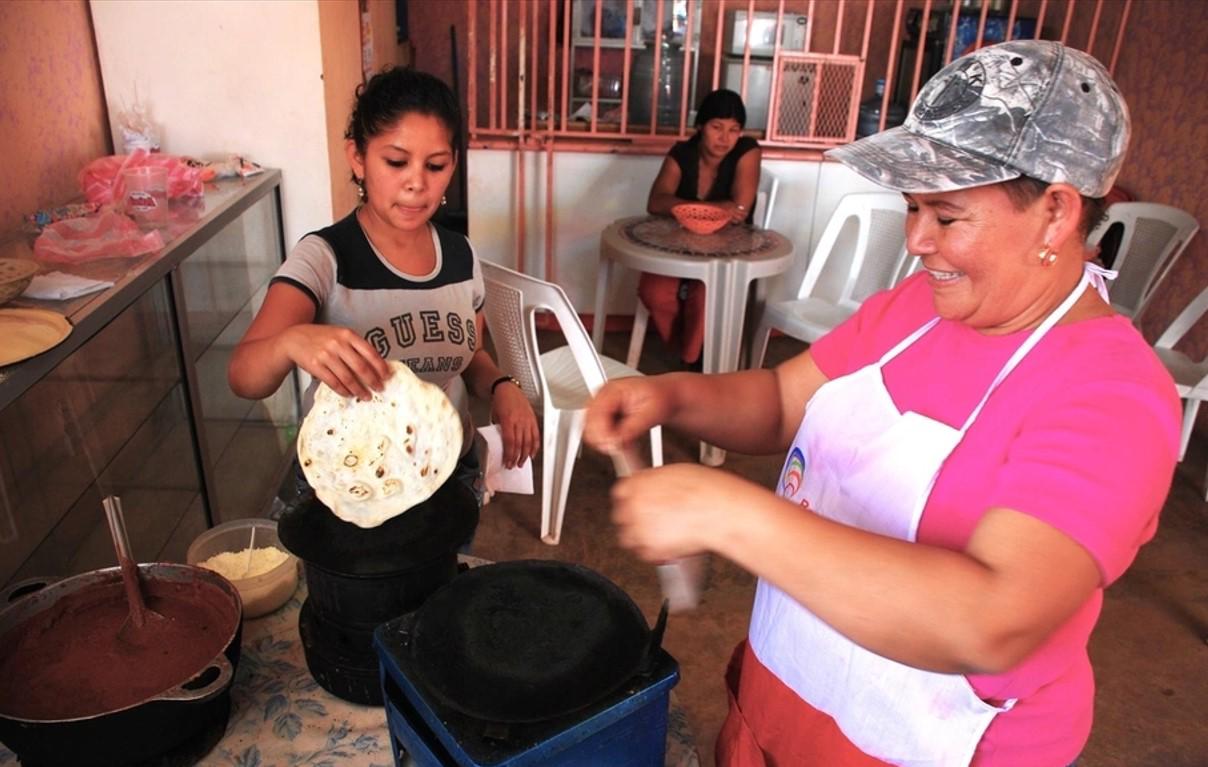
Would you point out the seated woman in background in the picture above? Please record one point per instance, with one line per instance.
(717, 165)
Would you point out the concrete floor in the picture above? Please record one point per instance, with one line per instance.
(1149, 650)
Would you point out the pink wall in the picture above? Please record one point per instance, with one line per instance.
(52, 109)
(1161, 73)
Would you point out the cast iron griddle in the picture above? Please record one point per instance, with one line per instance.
(525, 641)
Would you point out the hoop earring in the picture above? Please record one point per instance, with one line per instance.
(360, 189)
(1047, 256)
(444, 200)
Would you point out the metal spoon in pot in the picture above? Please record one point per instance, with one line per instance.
(142, 617)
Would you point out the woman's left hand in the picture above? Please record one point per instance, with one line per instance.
(678, 510)
(517, 424)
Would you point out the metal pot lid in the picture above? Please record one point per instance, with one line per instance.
(527, 641)
(429, 530)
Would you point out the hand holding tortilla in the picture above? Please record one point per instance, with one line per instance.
(371, 460)
(386, 282)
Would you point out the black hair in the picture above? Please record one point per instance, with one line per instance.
(1025, 190)
(721, 104)
(395, 92)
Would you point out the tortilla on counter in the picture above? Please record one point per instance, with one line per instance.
(371, 461)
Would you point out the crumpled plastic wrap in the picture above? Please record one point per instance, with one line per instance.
(107, 235)
(99, 178)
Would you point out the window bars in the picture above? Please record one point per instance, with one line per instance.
(626, 75)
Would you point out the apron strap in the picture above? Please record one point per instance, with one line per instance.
(1088, 278)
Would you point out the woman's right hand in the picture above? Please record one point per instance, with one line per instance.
(338, 357)
(625, 408)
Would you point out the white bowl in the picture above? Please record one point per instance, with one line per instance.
(261, 593)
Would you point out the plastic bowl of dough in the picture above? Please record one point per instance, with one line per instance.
(265, 577)
(699, 218)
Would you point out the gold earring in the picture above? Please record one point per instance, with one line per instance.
(444, 200)
(360, 189)
(1047, 256)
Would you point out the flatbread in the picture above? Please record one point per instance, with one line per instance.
(371, 461)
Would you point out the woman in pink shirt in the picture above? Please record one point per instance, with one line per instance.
(933, 557)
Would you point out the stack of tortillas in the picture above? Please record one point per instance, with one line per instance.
(369, 461)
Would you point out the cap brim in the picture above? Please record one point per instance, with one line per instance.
(900, 160)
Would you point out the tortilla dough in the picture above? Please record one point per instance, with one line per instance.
(371, 461)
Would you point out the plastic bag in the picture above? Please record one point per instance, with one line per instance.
(138, 132)
(108, 235)
(99, 178)
(234, 166)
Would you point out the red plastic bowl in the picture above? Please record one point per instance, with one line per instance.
(700, 219)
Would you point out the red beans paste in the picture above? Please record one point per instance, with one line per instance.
(75, 660)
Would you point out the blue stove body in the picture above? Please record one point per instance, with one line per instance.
(627, 728)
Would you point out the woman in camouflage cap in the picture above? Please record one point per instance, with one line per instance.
(934, 555)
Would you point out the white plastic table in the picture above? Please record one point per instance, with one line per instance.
(728, 262)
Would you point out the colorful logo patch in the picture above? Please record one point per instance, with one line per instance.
(794, 469)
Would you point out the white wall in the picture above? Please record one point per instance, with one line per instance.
(593, 190)
(225, 77)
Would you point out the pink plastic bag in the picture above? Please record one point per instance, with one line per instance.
(107, 235)
(99, 178)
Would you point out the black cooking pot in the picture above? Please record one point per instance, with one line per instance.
(529, 640)
(364, 576)
(185, 721)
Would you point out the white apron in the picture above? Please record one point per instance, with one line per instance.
(856, 459)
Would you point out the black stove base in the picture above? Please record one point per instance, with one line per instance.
(342, 665)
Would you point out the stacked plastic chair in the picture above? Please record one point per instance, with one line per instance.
(1190, 376)
(1152, 238)
(861, 251)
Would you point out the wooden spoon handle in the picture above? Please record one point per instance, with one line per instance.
(121, 542)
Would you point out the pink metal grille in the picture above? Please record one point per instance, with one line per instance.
(817, 103)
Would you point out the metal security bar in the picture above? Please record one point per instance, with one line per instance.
(625, 76)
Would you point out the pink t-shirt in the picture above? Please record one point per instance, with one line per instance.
(1083, 435)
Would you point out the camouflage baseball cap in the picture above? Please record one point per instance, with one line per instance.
(1027, 107)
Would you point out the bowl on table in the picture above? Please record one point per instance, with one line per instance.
(15, 276)
(265, 578)
(700, 218)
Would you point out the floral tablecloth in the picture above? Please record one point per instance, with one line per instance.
(281, 717)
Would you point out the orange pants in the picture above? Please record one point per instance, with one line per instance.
(677, 308)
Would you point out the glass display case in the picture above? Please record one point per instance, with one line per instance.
(135, 403)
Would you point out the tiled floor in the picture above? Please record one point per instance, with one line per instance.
(1149, 650)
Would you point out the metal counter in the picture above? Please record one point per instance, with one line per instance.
(135, 401)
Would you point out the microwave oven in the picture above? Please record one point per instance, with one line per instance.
(763, 33)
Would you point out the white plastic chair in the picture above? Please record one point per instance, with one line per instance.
(1153, 237)
(908, 265)
(861, 251)
(560, 381)
(765, 203)
(1190, 377)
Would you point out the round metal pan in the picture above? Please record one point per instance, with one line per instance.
(528, 640)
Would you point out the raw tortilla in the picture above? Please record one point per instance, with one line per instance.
(371, 461)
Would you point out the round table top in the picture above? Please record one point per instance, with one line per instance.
(666, 236)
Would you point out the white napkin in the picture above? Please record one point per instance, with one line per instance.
(58, 286)
(498, 478)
